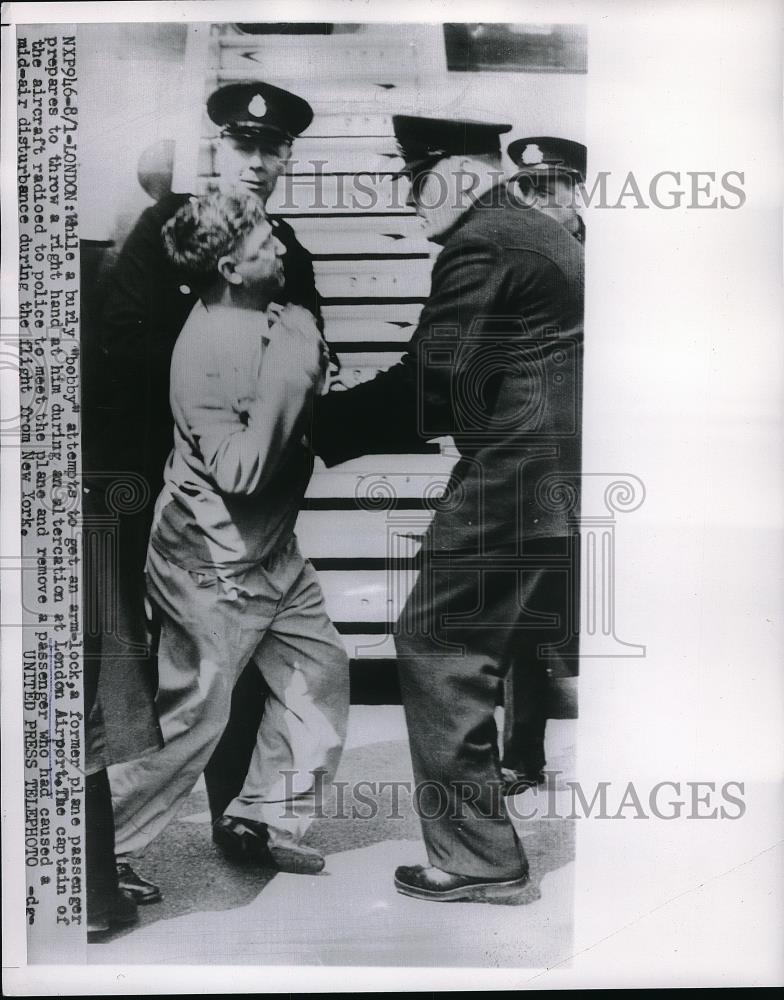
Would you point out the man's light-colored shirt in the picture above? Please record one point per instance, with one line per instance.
(232, 485)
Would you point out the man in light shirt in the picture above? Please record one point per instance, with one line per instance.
(225, 576)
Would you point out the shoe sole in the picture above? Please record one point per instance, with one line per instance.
(143, 900)
(515, 891)
(295, 863)
(277, 859)
(98, 928)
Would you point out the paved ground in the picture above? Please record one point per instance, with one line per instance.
(216, 913)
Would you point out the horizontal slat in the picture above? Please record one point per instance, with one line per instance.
(368, 647)
(398, 227)
(358, 123)
(366, 596)
(369, 331)
(405, 313)
(346, 163)
(371, 279)
(308, 146)
(344, 155)
(318, 159)
(350, 193)
(361, 534)
(378, 360)
(378, 476)
(333, 245)
(405, 270)
(316, 59)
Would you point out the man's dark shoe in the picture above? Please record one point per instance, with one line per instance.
(139, 889)
(440, 886)
(250, 842)
(516, 782)
(121, 912)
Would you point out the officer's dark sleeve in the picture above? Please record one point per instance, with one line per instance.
(126, 332)
(300, 285)
(411, 402)
(143, 313)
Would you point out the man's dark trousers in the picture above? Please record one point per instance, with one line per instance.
(465, 616)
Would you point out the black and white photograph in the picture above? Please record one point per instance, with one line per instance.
(396, 447)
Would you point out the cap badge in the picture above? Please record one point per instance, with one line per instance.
(532, 154)
(257, 107)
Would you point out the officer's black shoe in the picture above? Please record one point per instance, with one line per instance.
(440, 886)
(516, 782)
(139, 889)
(248, 841)
(121, 912)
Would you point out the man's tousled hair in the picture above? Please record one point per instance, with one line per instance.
(205, 229)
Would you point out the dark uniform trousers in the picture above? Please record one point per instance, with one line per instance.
(496, 363)
(547, 648)
(467, 621)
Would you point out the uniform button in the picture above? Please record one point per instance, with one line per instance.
(185, 289)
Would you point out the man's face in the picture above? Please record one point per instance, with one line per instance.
(438, 195)
(558, 198)
(251, 165)
(259, 261)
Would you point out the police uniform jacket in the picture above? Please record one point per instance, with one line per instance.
(495, 362)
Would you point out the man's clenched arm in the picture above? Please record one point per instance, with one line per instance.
(241, 449)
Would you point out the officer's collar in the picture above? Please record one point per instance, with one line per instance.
(493, 196)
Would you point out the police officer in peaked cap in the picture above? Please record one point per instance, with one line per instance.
(549, 173)
(144, 303)
(495, 362)
(258, 124)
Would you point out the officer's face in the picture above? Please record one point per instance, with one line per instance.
(437, 196)
(259, 260)
(558, 198)
(252, 165)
